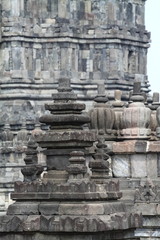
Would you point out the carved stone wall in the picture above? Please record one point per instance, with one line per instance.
(89, 41)
(86, 40)
(41, 41)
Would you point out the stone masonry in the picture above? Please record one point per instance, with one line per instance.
(42, 41)
(101, 46)
(69, 201)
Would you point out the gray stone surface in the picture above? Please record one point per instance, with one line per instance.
(121, 166)
(138, 166)
(152, 168)
(41, 236)
(75, 203)
(30, 62)
(88, 42)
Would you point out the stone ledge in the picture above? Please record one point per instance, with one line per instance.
(82, 224)
(148, 234)
(148, 209)
(66, 196)
(80, 39)
(136, 146)
(110, 235)
(82, 138)
(53, 208)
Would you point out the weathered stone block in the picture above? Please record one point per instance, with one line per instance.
(17, 74)
(147, 209)
(154, 146)
(121, 166)
(49, 208)
(152, 168)
(23, 208)
(79, 209)
(32, 223)
(158, 211)
(138, 165)
(124, 147)
(111, 208)
(140, 146)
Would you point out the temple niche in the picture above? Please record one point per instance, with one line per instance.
(79, 130)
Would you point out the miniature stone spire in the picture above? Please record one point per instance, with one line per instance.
(136, 117)
(7, 134)
(156, 98)
(102, 116)
(7, 138)
(77, 168)
(118, 106)
(32, 170)
(23, 134)
(37, 130)
(154, 106)
(101, 96)
(157, 116)
(117, 96)
(100, 164)
(66, 133)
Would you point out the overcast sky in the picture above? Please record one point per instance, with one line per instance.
(153, 25)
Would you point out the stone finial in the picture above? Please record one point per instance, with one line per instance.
(118, 102)
(65, 93)
(66, 120)
(137, 88)
(101, 89)
(65, 111)
(64, 85)
(154, 106)
(102, 115)
(7, 134)
(118, 106)
(117, 95)
(32, 170)
(137, 117)
(100, 164)
(37, 130)
(31, 153)
(137, 96)
(101, 95)
(23, 134)
(156, 97)
(77, 169)
(158, 122)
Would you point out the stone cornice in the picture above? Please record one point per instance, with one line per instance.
(78, 40)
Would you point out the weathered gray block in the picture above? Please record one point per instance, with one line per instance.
(121, 166)
(152, 168)
(138, 166)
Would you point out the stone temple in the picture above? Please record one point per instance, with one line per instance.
(79, 131)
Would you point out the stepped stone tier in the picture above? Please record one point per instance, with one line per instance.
(66, 116)
(69, 203)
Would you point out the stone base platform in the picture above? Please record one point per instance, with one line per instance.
(100, 236)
